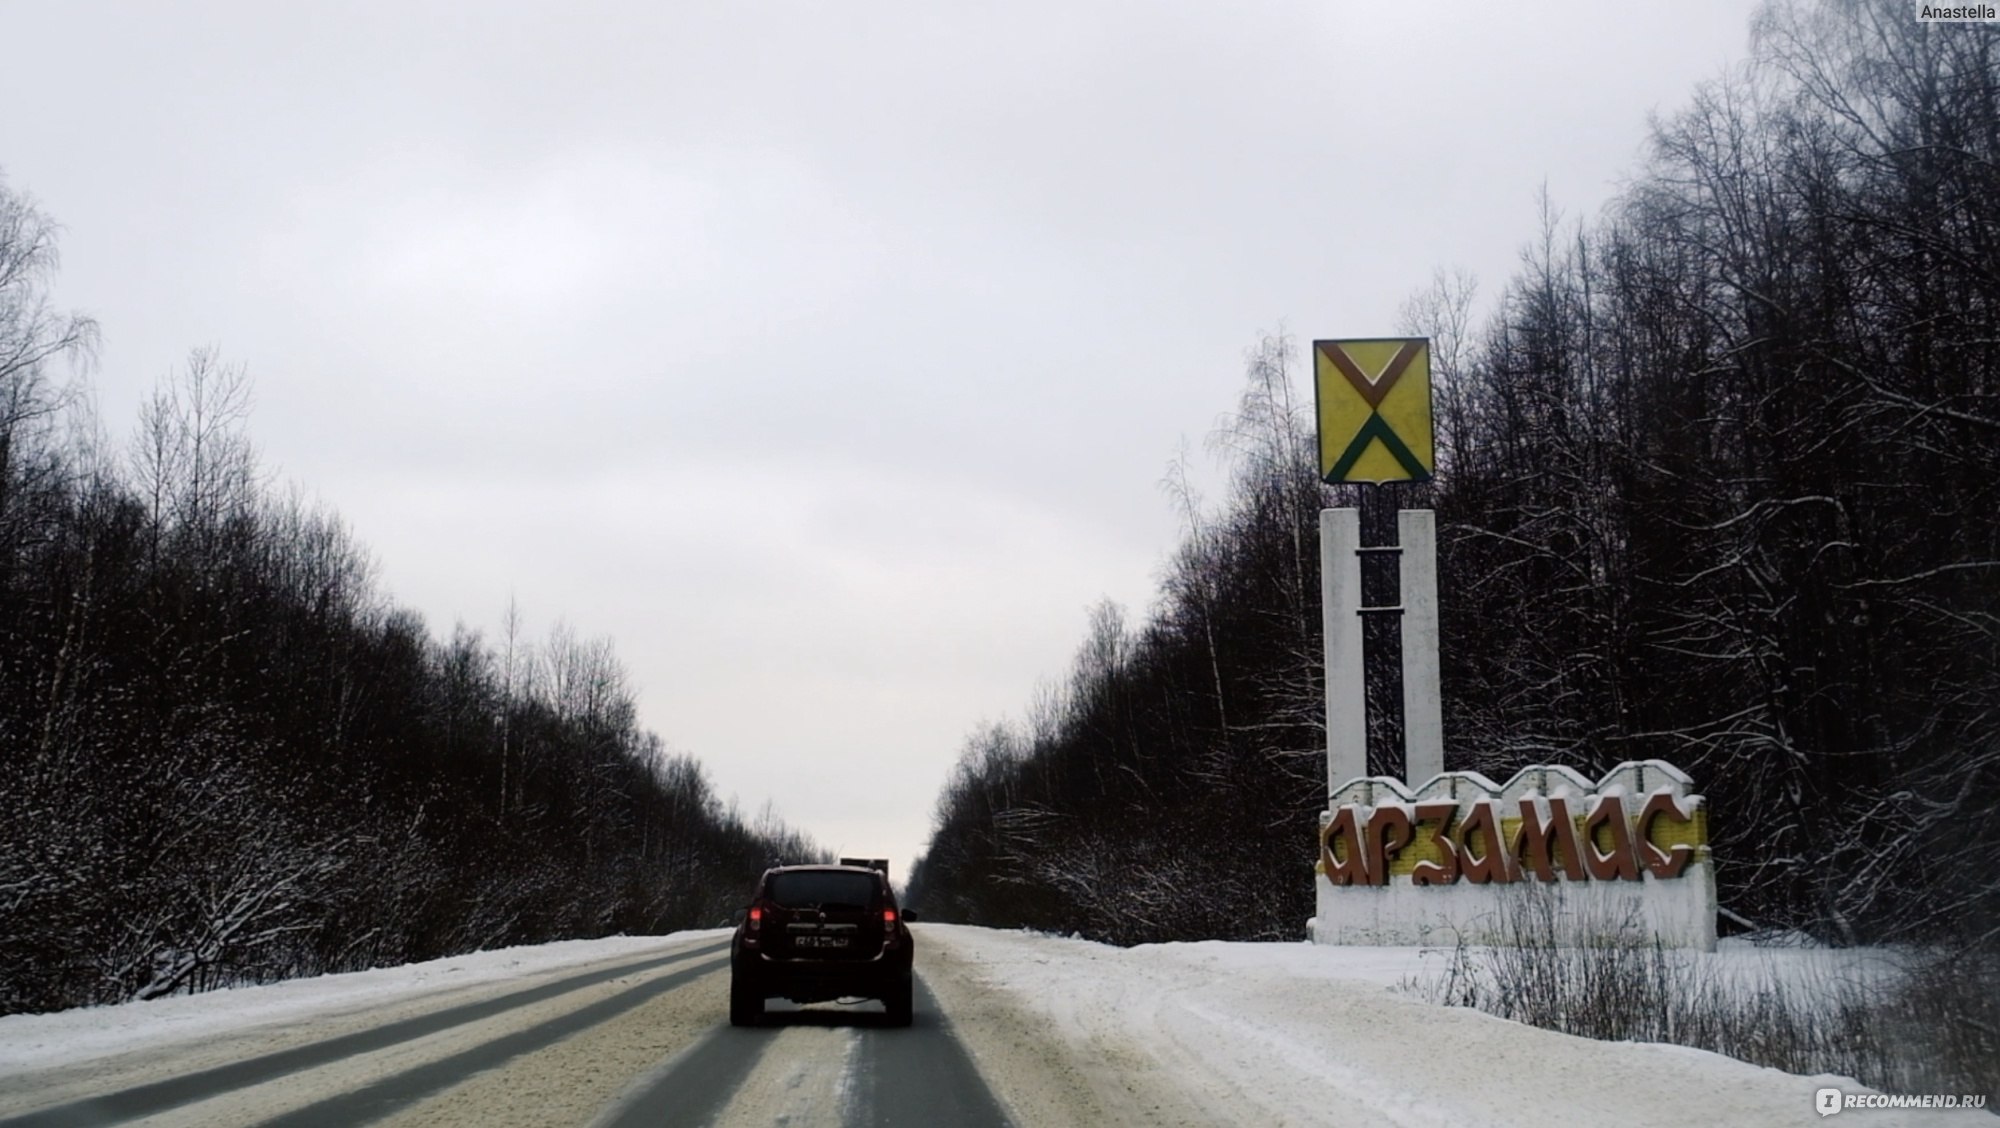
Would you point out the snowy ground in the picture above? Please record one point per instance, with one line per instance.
(39, 1041)
(1308, 1034)
(1062, 1031)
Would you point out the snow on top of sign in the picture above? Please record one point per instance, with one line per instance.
(1541, 781)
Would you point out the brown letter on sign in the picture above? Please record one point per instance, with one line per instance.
(1388, 831)
(1540, 842)
(1343, 831)
(1446, 871)
(1672, 862)
(1484, 820)
(1619, 862)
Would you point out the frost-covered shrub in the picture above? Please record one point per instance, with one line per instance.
(1905, 1020)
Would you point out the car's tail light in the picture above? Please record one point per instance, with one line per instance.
(756, 918)
(888, 916)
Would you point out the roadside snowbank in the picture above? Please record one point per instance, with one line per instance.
(37, 1041)
(1311, 1034)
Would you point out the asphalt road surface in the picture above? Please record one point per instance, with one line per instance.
(635, 1041)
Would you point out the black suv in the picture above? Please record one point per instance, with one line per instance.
(815, 933)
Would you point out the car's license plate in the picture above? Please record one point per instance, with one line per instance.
(821, 941)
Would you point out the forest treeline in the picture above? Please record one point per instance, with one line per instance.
(225, 756)
(1717, 484)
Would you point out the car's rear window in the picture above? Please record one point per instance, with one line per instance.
(808, 888)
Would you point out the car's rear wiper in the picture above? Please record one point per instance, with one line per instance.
(841, 906)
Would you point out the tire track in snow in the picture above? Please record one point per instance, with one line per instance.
(160, 1096)
(818, 1066)
(394, 1093)
(794, 1069)
(802, 1079)
(692, 1087)
(919, 1077)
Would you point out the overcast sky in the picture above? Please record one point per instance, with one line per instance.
(827, 356)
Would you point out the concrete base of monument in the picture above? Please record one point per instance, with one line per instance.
(1678, 913)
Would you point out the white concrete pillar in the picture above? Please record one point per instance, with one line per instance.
(1423, 704)
(1340, 607)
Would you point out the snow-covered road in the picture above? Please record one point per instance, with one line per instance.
(1033, 1029)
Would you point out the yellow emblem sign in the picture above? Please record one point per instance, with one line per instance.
(1374, 399)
